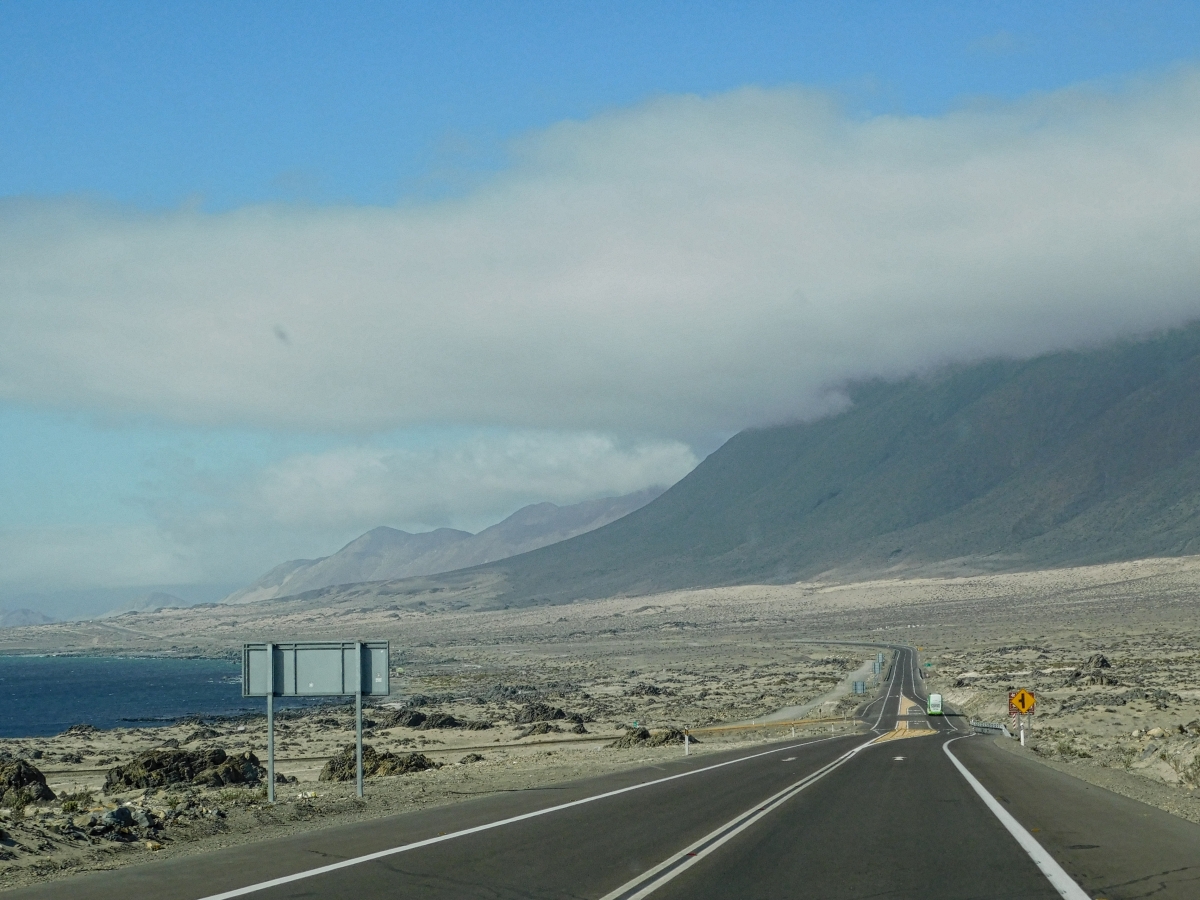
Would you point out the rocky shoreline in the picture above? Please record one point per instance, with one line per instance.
(97, 799)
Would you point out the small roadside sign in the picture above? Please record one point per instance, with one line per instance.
(1021, 702)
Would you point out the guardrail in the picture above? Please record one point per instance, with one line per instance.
(990, 728)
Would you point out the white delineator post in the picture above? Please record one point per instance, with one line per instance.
(358, 720)
(687, 745)
(270, 723)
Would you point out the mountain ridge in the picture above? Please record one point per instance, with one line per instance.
(1070, 458)
(385, 553)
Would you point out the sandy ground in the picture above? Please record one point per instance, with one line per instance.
(598, 688)
(683, 659)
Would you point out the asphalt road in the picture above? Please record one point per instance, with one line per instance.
(879, 814)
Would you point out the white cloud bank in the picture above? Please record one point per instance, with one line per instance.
(88, 556)
(689, 266)
(221, 526)
(470, 483)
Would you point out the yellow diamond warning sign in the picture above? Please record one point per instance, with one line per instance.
(1021, 702)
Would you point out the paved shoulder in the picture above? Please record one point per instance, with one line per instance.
(1114, 847)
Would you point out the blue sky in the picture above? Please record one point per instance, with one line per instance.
(279, 273)
(231, 103)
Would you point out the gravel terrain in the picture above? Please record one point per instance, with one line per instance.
(525, 698)
(507, 721)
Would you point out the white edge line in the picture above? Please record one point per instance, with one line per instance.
(749, 817)
(391, 851)
(1056, 874)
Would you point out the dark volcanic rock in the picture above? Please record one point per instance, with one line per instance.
(641, 689)
(538, 712)
(428, 700)
(440, 720)
(158, 768)
(405, 718)
(642, 737)
(121, 817)
(539, 728)
(242, 769)
(510, 692)
(1098, 661)
(403, 763)
(81, 729)
(203, 733)
(21, 784)
(342, 766)
(670, 736)
(634, 737)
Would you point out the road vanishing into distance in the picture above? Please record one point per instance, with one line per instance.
(912, 806)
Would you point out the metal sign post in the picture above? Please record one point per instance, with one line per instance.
(270, 725)
(1021, 705)
(315, 669)
(358, 721)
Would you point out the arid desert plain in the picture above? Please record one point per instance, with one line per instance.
(522, 699)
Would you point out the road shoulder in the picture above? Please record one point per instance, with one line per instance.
(1114, 846)
(1185, 804)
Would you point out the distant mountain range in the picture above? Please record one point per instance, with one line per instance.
(1070, 458)
(388, 553)
(15, 618)
(150, 602)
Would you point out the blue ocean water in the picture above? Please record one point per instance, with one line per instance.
(45, 695)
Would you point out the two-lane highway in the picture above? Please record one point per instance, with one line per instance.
(886, 812)
(900, 822)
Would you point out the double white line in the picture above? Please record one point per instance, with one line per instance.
(454, 835)
(651, 880)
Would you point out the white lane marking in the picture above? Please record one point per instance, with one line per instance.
(652, 879)
(1056, 874)
(888, 695)
(391, 851)
(897, 759)
(789, 759)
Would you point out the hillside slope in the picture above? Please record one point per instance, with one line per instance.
(1074, 457)
(387, 553)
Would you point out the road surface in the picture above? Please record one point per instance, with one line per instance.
(912, 807)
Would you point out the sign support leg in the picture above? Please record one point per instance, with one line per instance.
(270, 723)
(358, 723)
(270, 748)
(358, 739)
